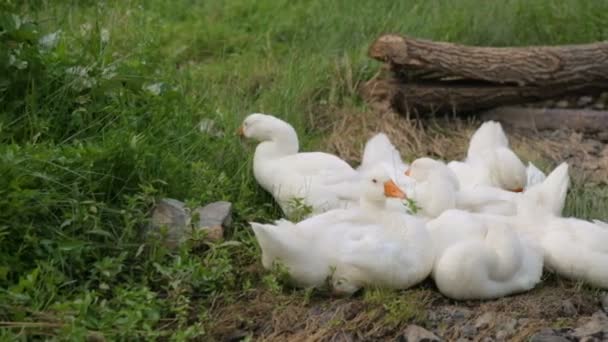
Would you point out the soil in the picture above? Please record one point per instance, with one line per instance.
(559, 308)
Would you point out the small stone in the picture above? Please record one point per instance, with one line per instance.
(484, 320)
(596, 326)
(208, 126)
(604, 301)
(215, 214)
(567, 308)
(460, 314)
(213, 218)
(599, 106)
(174, 215)
(562, 104)
(415, 333)
(547, 335)
(584, 100)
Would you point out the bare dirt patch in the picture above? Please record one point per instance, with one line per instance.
(558, 306)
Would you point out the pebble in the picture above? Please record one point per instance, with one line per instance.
(599, 106)
(175, 216)
(214, 217)
(562, 104)
(415, 333)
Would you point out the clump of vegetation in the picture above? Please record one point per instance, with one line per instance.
(400, 306)
(299, 209)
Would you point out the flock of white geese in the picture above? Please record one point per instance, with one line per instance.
(485, 226)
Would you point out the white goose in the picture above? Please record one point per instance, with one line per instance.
(316, 177)
(574, 248)
(352, 248)
(480, 257)
(490, 161)
(436, 189)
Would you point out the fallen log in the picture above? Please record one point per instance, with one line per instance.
(426, 76)
(549, 118)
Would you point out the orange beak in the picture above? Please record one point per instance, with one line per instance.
(518, 190)
(392, 190)
(408, 172)
(240, 131)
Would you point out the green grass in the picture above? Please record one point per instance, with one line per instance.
(96, 128)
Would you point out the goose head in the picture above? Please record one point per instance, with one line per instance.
(378, 186)
(264, 127)
(425, 169)
(435, 188)
(506, 169)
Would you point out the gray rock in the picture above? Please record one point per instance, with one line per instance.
(599, 105)
(459, 314)
(485, 320)
(562, 104)
(177, 219)
(213, 218)
(173, 215)
(567, 308)
(215, 214)
(604, 301)
(547, 335)
(596, 327)
(415, 333)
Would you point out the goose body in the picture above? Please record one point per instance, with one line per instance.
(490, 161)
(369, 245)
(574, 248)
(315, 177)
(436, 189)
(478, 257)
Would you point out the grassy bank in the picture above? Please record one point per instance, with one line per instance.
(107, 106)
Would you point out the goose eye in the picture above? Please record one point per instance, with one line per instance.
(374, 180)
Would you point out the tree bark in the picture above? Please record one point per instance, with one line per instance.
(425, 76)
